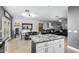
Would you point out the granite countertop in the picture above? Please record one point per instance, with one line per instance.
(45, 38)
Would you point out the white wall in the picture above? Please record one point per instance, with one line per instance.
(73, 26)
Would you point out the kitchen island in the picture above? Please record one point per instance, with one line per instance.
(48, 43)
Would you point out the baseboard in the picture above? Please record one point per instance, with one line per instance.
(75, 49)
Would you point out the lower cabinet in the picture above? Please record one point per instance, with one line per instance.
(45, 50)
(59, 46)
(56, 46)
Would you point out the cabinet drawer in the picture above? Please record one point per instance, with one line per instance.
(56, 41)
(44, 44)
(59, 40)
(40, 50)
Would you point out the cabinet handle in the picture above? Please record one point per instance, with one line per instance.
(59, 45)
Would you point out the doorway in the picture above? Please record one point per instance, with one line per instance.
(40, 29)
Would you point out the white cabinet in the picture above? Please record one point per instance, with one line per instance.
(56, 46)
(51, 49)
(40, 47)
(59, 46)
(45, 47)
(45, 50)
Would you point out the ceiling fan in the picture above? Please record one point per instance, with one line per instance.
(27, 12)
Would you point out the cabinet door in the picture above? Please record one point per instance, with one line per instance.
(50, 49)
(59, 47)
(45, 50)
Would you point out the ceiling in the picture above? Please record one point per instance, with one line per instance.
(42, 12)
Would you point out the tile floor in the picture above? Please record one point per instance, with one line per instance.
(18, 46)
